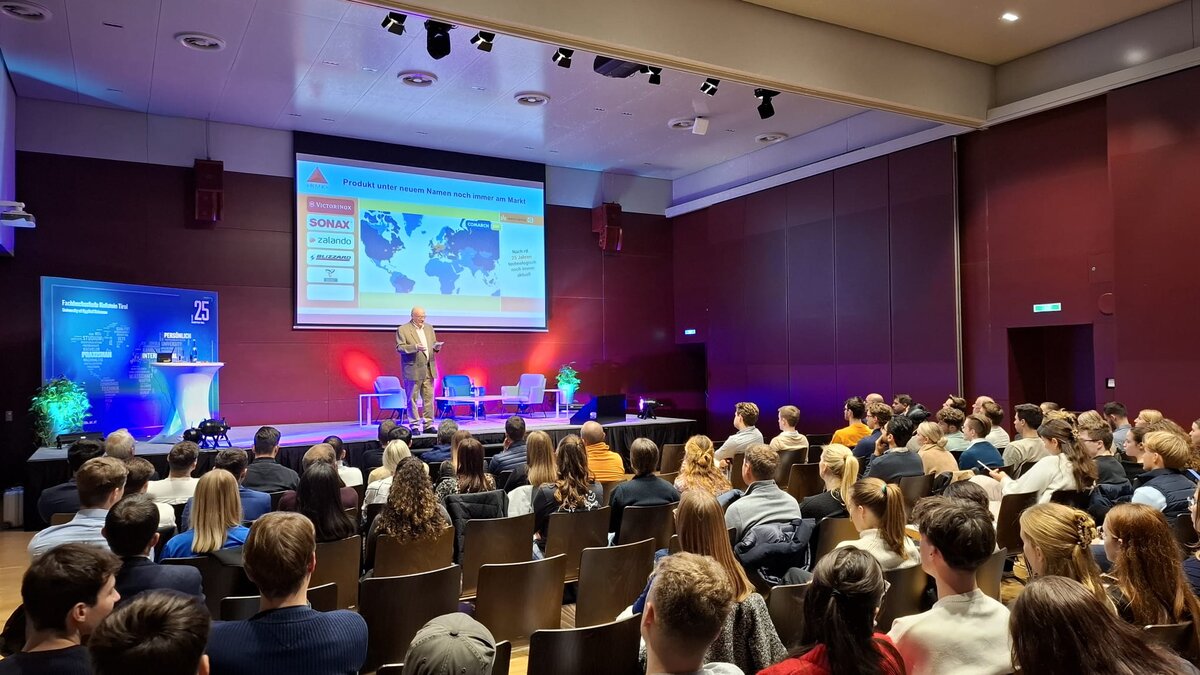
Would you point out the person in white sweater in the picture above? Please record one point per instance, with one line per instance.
(877, 511)
(965, 632)
(1066, 467)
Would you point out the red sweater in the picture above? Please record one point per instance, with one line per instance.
(814, 662)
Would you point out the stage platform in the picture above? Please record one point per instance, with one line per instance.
(48, 466)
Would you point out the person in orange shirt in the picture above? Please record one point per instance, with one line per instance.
(855, 430)
(604, 464)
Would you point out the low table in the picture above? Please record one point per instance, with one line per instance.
(473, 401)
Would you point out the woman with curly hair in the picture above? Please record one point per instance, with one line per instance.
(470, 476)
(1058, 541)
(412, 511)
(699, 470)
(574, 490)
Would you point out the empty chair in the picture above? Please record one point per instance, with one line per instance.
(1183, 530)
(905, 595)
(491, 541)
(396, 607)
(393, 397)
(991, 573)
(608, 486)
(830, 532)
(610, 579)
(219, 580)
(804, 480)
(785, 604)
(594, 650)
(788, 458)
(570, 532)
(648, 522)
(1008, 522)
(516, 599)
(394, 558)
(915, 488)
(735, 472)
(530, 390)
(454, 385)
(671, 460)
(323, 598)
(340, 562)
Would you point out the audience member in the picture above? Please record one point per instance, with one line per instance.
(66, 594)
(120, 444)
(873, 398)
(451, 644)
(1049, 407)
(254, 503)
(178, 486)
(217, 519)
(1191, 564)
(1117, 417)
(470, 477)
(746, 436)
(1096, 441)
(763, 502)
(958, 403)
(64, 497)
(837, 635)
(951, 421)
(1164, 485)
(935, 458)
(287, 635)
(689, 605)
(412, 511)
(161, 632)
(1066, 467)
(137, 482)
(381, 478)
(645, 488)
(1194, 434)
(373, 456)
(574, 490)
(101, 483)
(321, 453)
(892, 459)
(605, 464)
(1058, 626)
(977, 407)
(997, 436)
(699, 469)
(1058, 542)
(967, 491)
(351, 475)
(440, 452)
(265, 474)
(322, 500)
(854, 431)
(1027, 446)
(878, 416)
(901, 404)
(789, 438)
(980, 451)
(965, 632)
(877, 511)
(541, 469)
(838, 468)
(131, 529)
(1147, 583)
(514, 453)
(1147, 416)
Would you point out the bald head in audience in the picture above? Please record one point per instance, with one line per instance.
(592, 433)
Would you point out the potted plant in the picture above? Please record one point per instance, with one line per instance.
(568, 382)
(60, 406)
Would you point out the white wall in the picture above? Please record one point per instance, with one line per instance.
(8, 153)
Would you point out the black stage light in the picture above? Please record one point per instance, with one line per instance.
(655, 74)
(214, 430)
(648, 409)
(483, 41)
(437, 39)
(562, 57)
(710, 86)
(192, 435)
(765, 109)
(394, 23)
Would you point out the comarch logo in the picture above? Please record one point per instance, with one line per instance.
(327, 223)
(317, 177)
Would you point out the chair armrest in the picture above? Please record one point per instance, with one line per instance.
(509, 390)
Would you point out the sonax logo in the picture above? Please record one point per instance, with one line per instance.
(323, 223)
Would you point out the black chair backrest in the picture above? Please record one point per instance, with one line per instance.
(502, 659)
(1178, 637)
(516, 599)
(804, 480)
(373, 511)
(570, 532)
(395, 608)
(323, 598)
(164, 533)
(220, 581)
(735, 471)
(642, 522)
(1185, 533)
(1076, 499)
(915, 488)
(785, 604)
(394, 559)
(502, 479)
(814, 453)
(607, 487)
(671, 459)
(1008, 522)
(179, 515)
(788, 458)
(991, 573)
(904, 597)
(594, 650)
(275, 497)
(830, 532)
(610, 579)
(491, 541)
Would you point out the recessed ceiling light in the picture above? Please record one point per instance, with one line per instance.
(111, 24)
(478, 88)
(417, 78)
(682, 123)
(1009, 17)
(330, 63)
(293, 114)
(627, 114)
(202, 42)
(598, 109)
(370, 69)
(116, 91)
(532, 98)
(25, 11)
(771, 137)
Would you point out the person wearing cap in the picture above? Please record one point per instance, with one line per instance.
(451, 644)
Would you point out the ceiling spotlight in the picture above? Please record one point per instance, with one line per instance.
(771, 137)
(201, 42)
(764, 96)
(437, 39)
(531, 98)
(483, 41)
(562, 57)
(417, 78)
(1009, 17)
(25, 11)
(710, 86)
(394, 23)
(655, 74)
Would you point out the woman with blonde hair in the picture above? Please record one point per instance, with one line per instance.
(932, 449)
(1067, 467)
(1147, 416)
(838, 467)
(699, 470)
(216, 518)
(539, 469)
(877, 511)
(1058, 542)
(379, 482)
(412, 511)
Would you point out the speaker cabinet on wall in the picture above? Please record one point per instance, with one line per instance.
(209, 176)
(606, 222)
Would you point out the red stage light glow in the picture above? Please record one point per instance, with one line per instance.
(360, 369)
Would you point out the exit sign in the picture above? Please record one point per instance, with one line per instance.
(1047, 307)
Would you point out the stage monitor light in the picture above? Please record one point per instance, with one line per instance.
(710, 86)
(765, 109)
(483, 41)
(192, 435)
(647, 409)
(655, 74)
(437, 39)
(562, 57)
(214, 430)
(394, 23)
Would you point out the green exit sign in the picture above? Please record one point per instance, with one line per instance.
(1047, 307)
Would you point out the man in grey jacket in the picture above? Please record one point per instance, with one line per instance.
(745, 416)
(764, 502)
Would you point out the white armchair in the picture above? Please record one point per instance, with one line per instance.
(529, 391)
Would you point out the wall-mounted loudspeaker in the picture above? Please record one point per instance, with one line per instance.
(606, 222)
(209, 176)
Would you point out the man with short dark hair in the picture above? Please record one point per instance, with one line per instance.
(178, 486)
(645, 488)
(690, 599)
(287, 635)
(1096, 441)
(64, 497)
(763, 502)
(138, 481)
(966, 632)
(1027, 446)
(373, 457)
(995, 414)
(101, 483)
(605, 465)
(878, 416)
(440, 452)
(789, 438)
(254, 503)
(514, 453)
(901, 404)
(160, 632)
(951, 420)
(745, 416)
(350, 475)
(980, 451)
(66, 594)
(1118, 420)
(854, 431)
(131, 529)
(892, 459)
(265, 474)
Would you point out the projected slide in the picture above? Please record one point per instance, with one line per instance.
(104, 336)
(374, 240)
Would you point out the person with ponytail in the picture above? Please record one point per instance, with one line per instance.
(1058, 542)
(838, 635)
(877, 511)
(839, 469)
(931, 446)
(1067, 467)
(699, 469)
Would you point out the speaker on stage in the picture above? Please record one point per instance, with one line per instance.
(602, 409)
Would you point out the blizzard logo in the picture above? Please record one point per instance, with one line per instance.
(330, 224)
(330, 259)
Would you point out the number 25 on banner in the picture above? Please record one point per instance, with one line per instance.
(201, 313)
